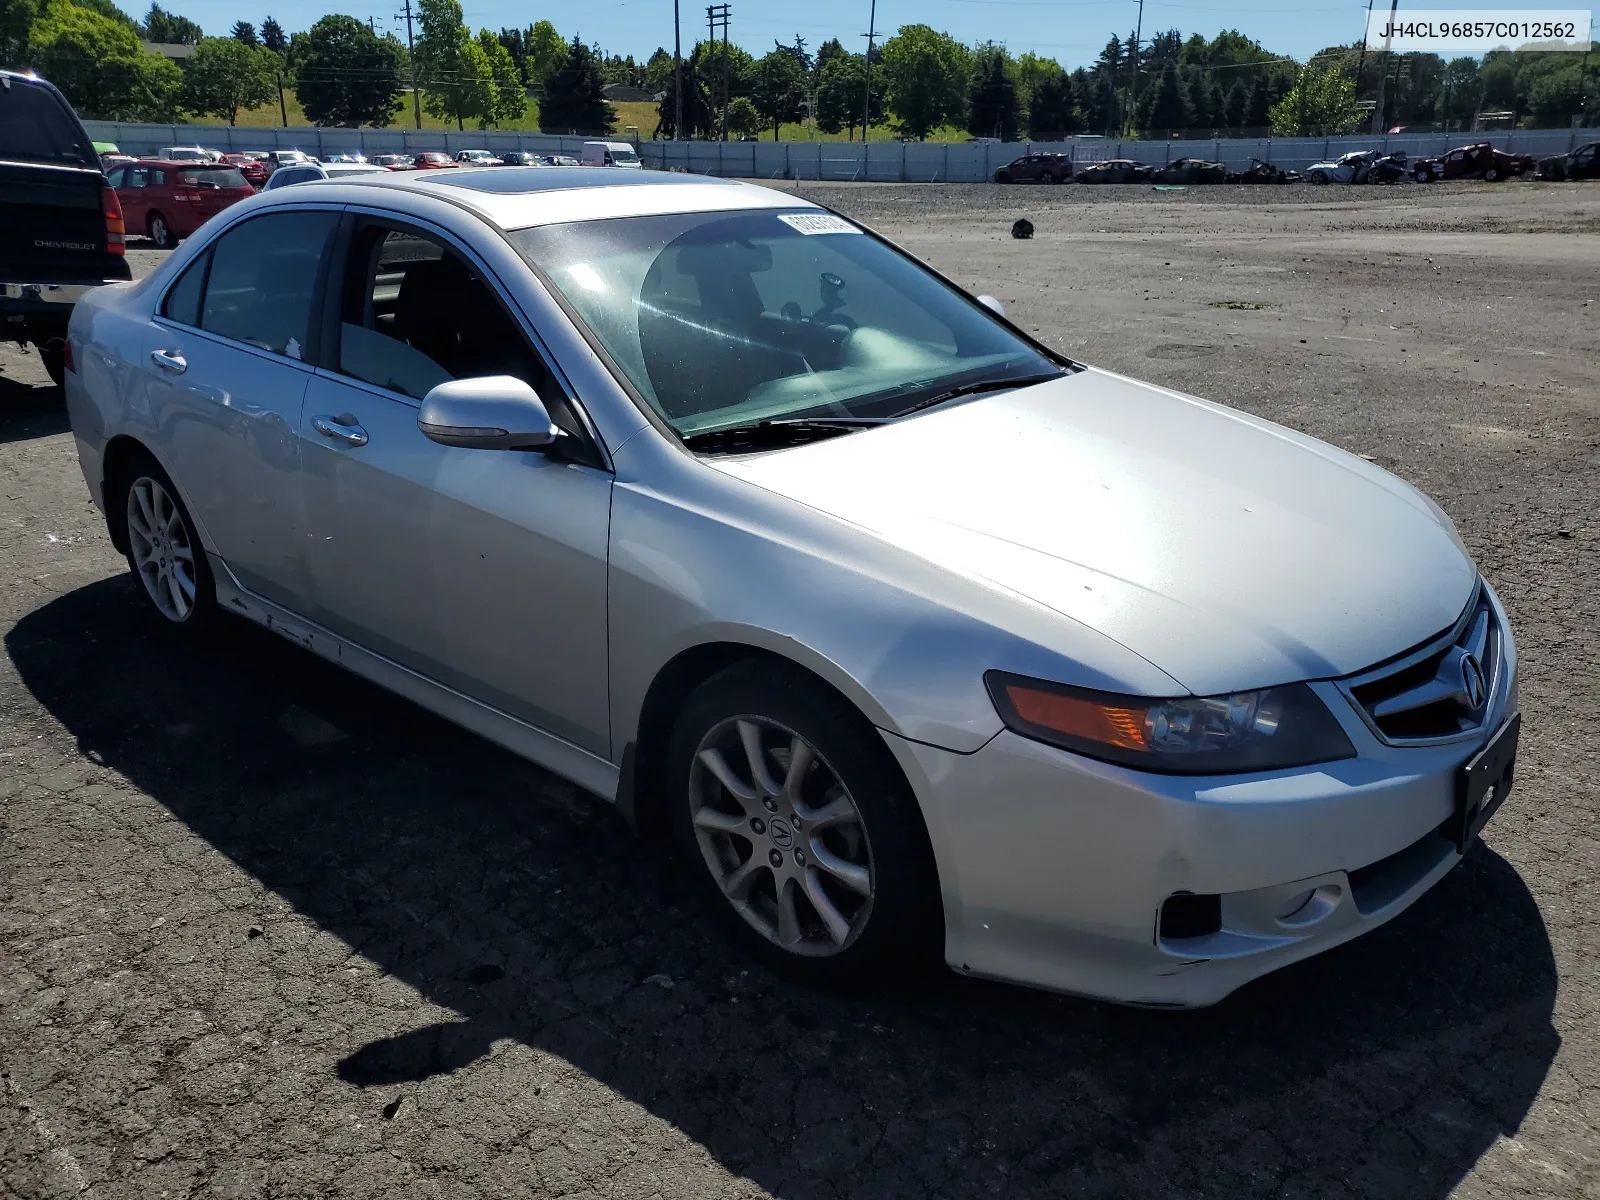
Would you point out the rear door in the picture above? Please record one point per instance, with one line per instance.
(134, 195)
(52, 219)
(226, 363)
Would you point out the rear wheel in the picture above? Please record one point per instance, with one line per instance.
(164, 552)
(54, 358)
(1422, 176)
(1492, 175)
(799, 830)
(160, 232)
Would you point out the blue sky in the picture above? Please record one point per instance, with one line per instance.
(1071, 31)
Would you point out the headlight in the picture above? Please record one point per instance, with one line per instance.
(1192, 735)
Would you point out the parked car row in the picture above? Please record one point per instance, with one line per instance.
(1479, 161)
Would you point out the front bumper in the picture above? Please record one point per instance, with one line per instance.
(1054, 867)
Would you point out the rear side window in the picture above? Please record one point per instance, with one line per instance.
(183, 301)
(263, 277)
(36, 126)
(216, 176)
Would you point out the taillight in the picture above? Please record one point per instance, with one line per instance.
(116, 234)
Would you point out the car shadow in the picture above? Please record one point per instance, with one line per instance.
(30, 410)
(1386, 1067)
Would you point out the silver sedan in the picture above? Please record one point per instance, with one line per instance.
(911, 637)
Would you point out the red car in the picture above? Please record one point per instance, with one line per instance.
(170, 200)
(430, 159)
(252, 166)
(1482, 161)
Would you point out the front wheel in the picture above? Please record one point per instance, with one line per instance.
(163, 550)
(1002, 177)
(1318, 177)
(799, 829)
(1422, 176)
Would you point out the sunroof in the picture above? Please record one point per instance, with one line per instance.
(548, 179)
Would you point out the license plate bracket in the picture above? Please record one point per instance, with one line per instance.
(1484, 783)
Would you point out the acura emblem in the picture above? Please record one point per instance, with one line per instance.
(1472, 682)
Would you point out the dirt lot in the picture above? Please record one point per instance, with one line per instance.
(265, 931)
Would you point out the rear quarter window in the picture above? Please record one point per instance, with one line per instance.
(220, 177)
(37, 126)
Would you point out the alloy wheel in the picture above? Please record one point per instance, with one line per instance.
(782, 836)
(160, 234)
(161, 549)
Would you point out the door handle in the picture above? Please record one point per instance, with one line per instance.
(169, 360)
(329, 427)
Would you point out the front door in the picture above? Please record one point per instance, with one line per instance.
(224, 370)
(484, 570)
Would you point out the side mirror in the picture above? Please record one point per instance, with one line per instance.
(992, 305)
(495, 412)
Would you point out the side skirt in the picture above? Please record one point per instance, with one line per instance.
(587, 770)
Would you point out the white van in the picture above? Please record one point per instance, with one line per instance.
(611, 154)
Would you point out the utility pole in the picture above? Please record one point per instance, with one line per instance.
(411, 57)
(717, 17)
(1362, 60)
(1133, 87)
(677, 75)
(866, 99)
(1383, 79)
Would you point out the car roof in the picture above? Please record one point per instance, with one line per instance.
(519, 197)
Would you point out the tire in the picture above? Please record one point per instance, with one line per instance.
(160, 231)
(1422, 176)
(1318, 177)
(876, 914)
(1492, 175)
(1001, 177)
(54, 358)
(160, 538)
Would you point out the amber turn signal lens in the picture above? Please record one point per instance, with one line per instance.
(1080, 718)
(115, 232)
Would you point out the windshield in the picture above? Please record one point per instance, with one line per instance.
(724, 319)
(624, 156)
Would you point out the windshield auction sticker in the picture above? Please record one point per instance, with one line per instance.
(817, 223)
(1477, 30)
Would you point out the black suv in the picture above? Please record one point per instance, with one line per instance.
(60, 224)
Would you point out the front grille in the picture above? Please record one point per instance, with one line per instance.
(1441, 690)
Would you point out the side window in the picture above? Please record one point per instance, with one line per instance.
(183, 301)
(114, 176)
(158, 177)
(138, 177)
(415, 314)
(263, 276)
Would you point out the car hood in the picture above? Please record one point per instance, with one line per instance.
(1229, 552)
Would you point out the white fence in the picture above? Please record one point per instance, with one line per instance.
(908, 162)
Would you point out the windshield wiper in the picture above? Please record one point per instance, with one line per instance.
(973, 389)
(787, 431)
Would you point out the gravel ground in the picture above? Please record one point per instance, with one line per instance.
(267, 931)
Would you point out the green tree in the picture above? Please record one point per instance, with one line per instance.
(658, 71)
(1463, 92)
(744, 118)
(272, 36)
(547, 51)
(99, 65)
(1320, 103)
(1053, 111)
(573, 99)
(926, 72)
(1236, 106)
(1259, 113)
(348, 75)
(994, 109)
(841, 90)
(698, 119)
(829, 50)
(728, 71)
(1168, 107)
(510, 103)
(451, 66)
(780, 89)
(16, 19)
(162, 26)
(224, 75)
(244, 31)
